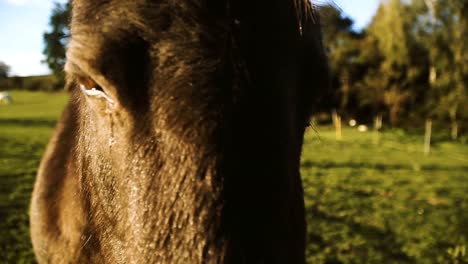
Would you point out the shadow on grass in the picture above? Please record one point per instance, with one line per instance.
(383, 241)
(15, 194)
(378, 166)
(27, 122)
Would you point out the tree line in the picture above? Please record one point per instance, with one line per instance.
(408, 65)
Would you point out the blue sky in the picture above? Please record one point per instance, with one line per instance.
(361, 11)
(22, 23)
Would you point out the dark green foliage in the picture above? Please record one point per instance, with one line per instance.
(4, 70)
(46, 83)
(405, 67)
(41, 83)
(56, 41)
(447, 42)
(341, 45)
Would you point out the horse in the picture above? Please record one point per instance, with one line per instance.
(182, 137)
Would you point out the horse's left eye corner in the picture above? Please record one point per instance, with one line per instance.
(91, 88)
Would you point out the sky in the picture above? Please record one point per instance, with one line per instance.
(22, 23)
(361, 11)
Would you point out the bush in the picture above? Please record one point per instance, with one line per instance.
(45, 83)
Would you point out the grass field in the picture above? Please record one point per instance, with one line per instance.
(385, 203)
(25, 127)
(366, 202)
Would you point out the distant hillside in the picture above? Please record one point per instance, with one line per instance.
(32, 83)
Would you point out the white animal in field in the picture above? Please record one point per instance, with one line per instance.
(5, 98)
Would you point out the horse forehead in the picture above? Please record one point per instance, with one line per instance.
(90, 11)
(112, 16)
(114, 20)
(102, 25)
(107, 24)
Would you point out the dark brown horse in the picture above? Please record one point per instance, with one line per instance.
(182, 138)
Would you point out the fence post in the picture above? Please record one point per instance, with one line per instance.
(454, 132)
(427, 137)
(337, 122)
(377, 127)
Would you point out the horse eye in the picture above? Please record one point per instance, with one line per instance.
(88, 84)
(92, 89)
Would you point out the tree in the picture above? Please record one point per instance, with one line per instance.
(57, 39)
(341, 43)
(407, 67)
(404, 68)
(370, 87)
(4, 71)
(447, 43)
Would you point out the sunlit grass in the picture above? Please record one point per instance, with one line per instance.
(385, 202)
(25, 128)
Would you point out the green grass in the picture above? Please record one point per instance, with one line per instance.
(365, 202)
(25, 128)
(385, 202)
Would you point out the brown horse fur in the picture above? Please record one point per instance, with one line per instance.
(197, 159)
